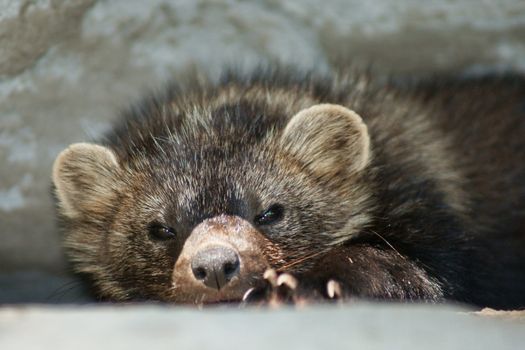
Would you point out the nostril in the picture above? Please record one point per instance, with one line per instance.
(230, 269)
(199, 273)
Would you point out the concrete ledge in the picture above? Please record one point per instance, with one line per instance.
(359, 326)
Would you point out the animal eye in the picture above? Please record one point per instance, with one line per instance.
(161, 232)
(270, 216)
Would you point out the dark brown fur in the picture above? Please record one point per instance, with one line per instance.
(437, 213)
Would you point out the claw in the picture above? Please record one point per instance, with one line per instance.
(281, 289)
(287, 280)
(333, 289)
(271, 276)
(246, 295)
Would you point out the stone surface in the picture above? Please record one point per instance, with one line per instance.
(371, 327)
(28, 29)
(37, 286)
(67, 67)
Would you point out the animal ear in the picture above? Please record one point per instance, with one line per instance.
(328, 139)
(86, 179)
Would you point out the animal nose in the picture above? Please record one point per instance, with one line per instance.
(215, 266)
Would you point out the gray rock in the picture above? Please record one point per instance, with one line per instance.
(36, 286)
(67, 67)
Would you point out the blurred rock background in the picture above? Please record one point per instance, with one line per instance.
(67, 67)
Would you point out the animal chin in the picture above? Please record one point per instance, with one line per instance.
(212, 302)
(209, 297)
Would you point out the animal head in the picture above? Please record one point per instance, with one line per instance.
(198, 203)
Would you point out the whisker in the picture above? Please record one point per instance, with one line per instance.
(387, 243)
(299, 260)
(61, 291)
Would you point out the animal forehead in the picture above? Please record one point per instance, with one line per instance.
(205, 182)
(248, 115)
(221, 156)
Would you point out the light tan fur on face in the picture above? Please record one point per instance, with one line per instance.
(223, 230)
(85, 176)
(328, 139)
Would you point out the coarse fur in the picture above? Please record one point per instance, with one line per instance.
(398, 190)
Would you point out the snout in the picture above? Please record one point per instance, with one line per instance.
(221, 259)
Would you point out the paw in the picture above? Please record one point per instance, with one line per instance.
(277, 290)
(285, 289)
